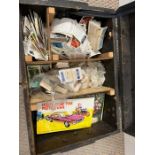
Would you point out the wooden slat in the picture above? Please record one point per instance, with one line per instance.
(44, 97)
(33, 107)
(55, 57)
(50, 13)
(104, 56)
(28, 58)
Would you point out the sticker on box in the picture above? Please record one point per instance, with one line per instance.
(70, 75)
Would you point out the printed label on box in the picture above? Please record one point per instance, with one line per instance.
(70, 75)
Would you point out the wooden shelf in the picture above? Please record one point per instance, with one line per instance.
(104, 56)
(73, 138)
(41, 97)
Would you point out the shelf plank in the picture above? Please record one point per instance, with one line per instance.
(104, 56)
(41, 97)
(72, 138)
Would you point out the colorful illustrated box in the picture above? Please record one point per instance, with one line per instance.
(64, 115)
(98, 106)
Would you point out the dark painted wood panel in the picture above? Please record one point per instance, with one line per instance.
(127, 72)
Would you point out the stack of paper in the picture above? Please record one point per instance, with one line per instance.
(35, 40)
(96, 34)
(76, 45)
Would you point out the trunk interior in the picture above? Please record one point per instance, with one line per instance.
(61, 141)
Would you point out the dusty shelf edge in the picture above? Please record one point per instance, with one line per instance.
(104, 56)
(103, 89)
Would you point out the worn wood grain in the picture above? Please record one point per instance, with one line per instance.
(104, 56)
(41, 97)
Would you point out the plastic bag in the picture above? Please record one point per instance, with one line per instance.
(77, 45)
(63, 81)
(94, 71)
(35, 81)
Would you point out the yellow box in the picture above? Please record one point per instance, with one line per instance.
(64, 115)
